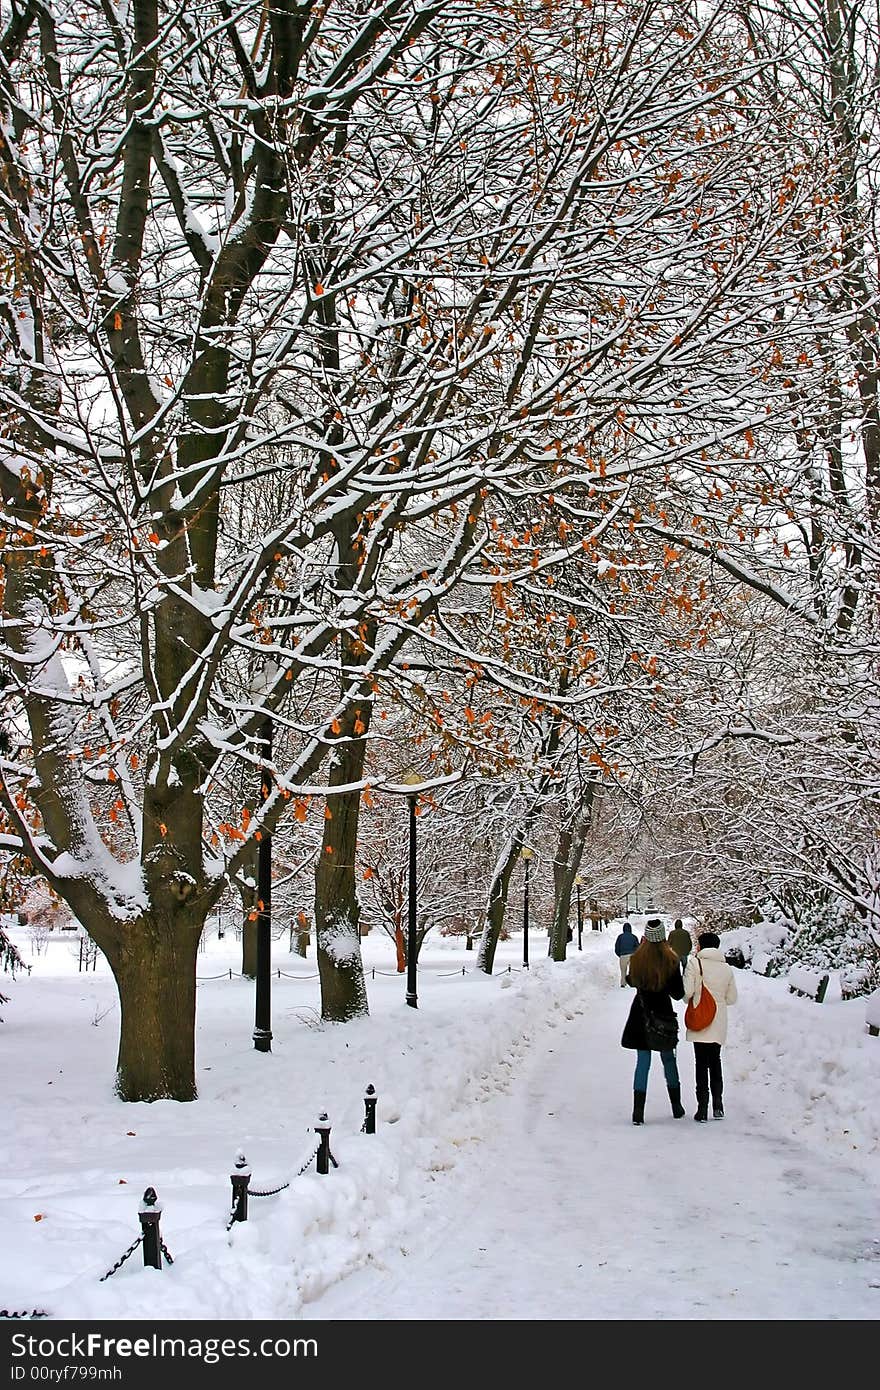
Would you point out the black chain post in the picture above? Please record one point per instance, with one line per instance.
(322, 1129)
(149, 1213)
(370, 1099)
(240, 1180)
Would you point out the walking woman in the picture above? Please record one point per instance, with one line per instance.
(709, 968)
(652, 1025)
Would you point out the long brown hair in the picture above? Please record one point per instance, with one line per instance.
(651, 964)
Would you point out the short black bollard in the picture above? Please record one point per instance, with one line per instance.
(370, 1099)
(149, 1213)
(322, 1129)
(240, 1180)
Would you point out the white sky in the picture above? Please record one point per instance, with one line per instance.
(506, 1180)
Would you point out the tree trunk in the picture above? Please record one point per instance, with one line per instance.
(569, 852)
(246, 885)
(497, 905)
(564, 870)
(337, 910)
(249, 945)
(155, 970)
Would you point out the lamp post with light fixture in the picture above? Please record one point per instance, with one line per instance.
(578, 883)
(412, 780)
(262, 1035)
(526, 855)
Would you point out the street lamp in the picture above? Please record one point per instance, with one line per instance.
(526, 854)
(578, 883)
(413, 780)
(263, 1001)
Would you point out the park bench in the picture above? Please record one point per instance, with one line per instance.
(808, 983)
(872, 1013)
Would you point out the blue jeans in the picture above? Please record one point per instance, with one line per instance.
(643, 1066)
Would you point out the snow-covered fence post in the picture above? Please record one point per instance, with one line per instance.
(370, 1099)
(322, 1129)
(149, 1213)
(240, 1180)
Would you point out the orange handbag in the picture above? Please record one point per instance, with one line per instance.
(699, 1016)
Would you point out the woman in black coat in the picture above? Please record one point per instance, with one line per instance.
(652, 1025)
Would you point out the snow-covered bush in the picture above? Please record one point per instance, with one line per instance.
(829, 937)
(832, 936)
(763, 942)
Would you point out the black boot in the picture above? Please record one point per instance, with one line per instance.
(717, 1108)
(702, 1104)
(639, 1107)
(675, 1097)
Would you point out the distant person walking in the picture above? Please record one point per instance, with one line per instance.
(626, 943)
(681, 941)
(708, 967)
(652, 1025)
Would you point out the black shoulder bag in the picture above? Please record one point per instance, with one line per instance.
(661, 1033)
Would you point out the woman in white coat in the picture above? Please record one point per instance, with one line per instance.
(708, 967)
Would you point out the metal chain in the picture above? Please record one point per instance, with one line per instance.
(120, 1262)
(23, 1313)
(312, 1156)
(164, 1248)
(271, 1191)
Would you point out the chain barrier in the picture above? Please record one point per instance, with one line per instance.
(446, 974)
(273, 1191)
(389, 974)
(311, 1158)
(120, 1262)
(23, 1313)
(270, 1192)
(164, 1248)
(237, 975)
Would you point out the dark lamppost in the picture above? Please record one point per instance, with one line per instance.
(263, 1004)
(413, 780)
(526, 854)
(578, 883)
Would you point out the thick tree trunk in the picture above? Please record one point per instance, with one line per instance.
(155, 970)
(337, 910)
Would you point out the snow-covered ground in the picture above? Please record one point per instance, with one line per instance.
(505, 1179)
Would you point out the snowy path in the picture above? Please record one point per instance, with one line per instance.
(607, 1220)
